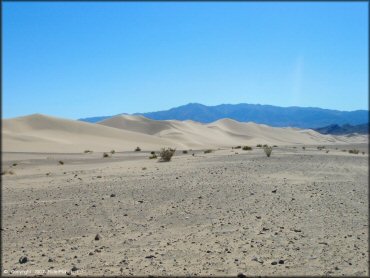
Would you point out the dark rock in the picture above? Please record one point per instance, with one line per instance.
(23, 260)
(113, 195)
(274, 263)
(74, 268)
(281, 261)
(274, 191)
(241, 275)
(150, 257)
(97, 237)
(50, 260)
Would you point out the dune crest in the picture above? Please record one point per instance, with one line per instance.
(42, 133)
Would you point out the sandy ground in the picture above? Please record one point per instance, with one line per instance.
(299, 212)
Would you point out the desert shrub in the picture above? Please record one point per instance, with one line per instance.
(105, 155)
(344, 150)
(274, 146)
(268, 150)
(208, 151)
(247, 148)
(144, 168)
(327, 151)
(354, 151)
(294, 147)
(259, 146)
(112, 151)
(152, 152)
(238, 147)
(7, 172)
(60, 162)
(152, 155)
(265, 145)
(166, 154)
(184, 151)
(320, 148)
(88, 151)
(137, 149)
(363, 152)
(303, 148)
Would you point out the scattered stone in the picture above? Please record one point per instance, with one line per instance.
(150, 257)
(23, 260)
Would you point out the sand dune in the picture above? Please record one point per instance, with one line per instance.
(41, 133)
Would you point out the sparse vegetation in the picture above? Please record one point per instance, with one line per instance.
(344, 150)
(265, 145)
(14, 164)
(137, 149)
(144, 168)
(208, 151)
(60, 162)
(88, 151)
(7, 172)
(247, 148)
(152, 155)
(105, 155)
(268, 150)
(237, 147)
(320, 148)
(363, 152)
(259, 146)
(303, 148)
(327, 151)
(112, 151)
(274, 146)
(354, 151)
(184, 151)
(166, 154)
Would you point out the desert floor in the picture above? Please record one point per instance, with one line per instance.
(299, 212)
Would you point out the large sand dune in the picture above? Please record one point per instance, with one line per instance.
(41, 133)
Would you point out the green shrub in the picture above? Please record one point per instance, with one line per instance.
(166, 154)
(208, 151)
(137, 149)
(354, 151)
(268, 150)
(247, 148)
(112, 151)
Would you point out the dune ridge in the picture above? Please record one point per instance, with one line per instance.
(42, 133)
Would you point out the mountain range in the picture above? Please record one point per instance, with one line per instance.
(344, 129)
(300, 117)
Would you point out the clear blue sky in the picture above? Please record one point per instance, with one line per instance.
(77, 60)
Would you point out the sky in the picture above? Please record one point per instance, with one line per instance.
(77, 60)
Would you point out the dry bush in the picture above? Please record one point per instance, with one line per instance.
(7, 172)
(166, 154)
(259, 146)
(208, 151)
(88, 151)
(60, 162)
(105, 155)
(184, 151)
(354, 151)
(152, 155)
(137, 149)
(303, 148)
(247, 148)
(112, 151)
(268, 150)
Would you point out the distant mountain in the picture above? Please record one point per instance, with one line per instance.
(344, 129)
(302, 117)
(95, 119)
